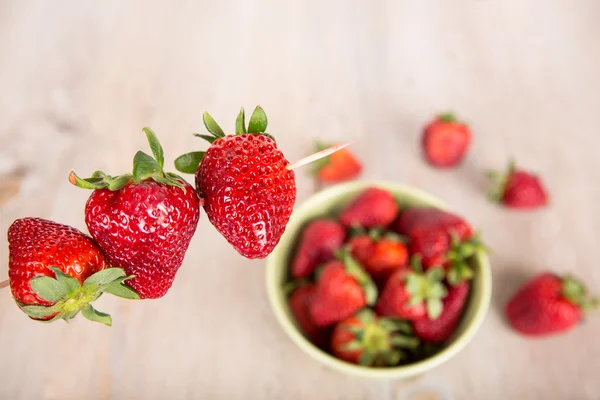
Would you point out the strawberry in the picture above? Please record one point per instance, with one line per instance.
(374, 207)
(440, 329)
(368, 340)
(247, 190)
(343, 288)
(379, 256)
(412, 295)
(339, 167)
(548, 304)
(319, 240)
(300, 301)
(518, 189)
(55, 271)
(144, 221)
(441, 238)
(445, 141)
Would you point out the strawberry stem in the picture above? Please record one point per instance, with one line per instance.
(4, 284)
(316, 156)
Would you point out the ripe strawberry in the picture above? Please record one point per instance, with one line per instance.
(56, 271)
(442, 239)
(445, 141)
(368, 340)
(300, 301)
(548, 304)
(143, 222)
(374, 207)
(248, 192)
(379, 256)
(319, 240)
(412, 295)
(339, 167)
(440, 329)
(343, 288)
(518, 189)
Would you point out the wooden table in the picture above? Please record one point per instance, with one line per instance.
(80, 79)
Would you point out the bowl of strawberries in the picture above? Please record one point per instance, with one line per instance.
(380, 280)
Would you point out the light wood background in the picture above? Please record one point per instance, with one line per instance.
(79, 79)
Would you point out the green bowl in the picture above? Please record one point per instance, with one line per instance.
(327, 203)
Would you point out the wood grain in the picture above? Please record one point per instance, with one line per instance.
(81, 78)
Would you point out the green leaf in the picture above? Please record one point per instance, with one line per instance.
(392, 357)
(413, 283)
(353, 346)
(38, 311)
(447, 117)
(354, 269)
(240, 122)
(105, 276)
(435, 274)
(88, 183)
(94, 315)
(212, 126)
(117, 182)
(366, 358)
(69, 282)
(209, 138)
(434, 308)
(155, 146)
(188, 163)
(404, 342)
(366, 316)
(48, 288)
(393, 324)
(120, 290)
(258, 121)
(145, 167)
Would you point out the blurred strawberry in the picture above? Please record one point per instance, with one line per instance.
(518, 189)
(379, 255)
(368, 340)
(445, 141)
(441, 238)
(300, 301)
(339, 167)
(343, 288)
(374, 207)
(319, 240)
(413, 294)
(548, 304)
(440, 329)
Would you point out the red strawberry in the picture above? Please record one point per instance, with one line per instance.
(379, 256)
(248, 192)
(518, 189)
(368, 340)
(144, 222)
(445, 141)
(319, 240)
(343, 288)
(372, 208)
(441, 239)
(300, 301)
(440, 329)
(548, 304)
(413, 294)
(56, 271)
(339, 167)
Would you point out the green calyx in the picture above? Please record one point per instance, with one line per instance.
(188, 163)
(380, 340)
(70, 297)
(459, 256)
(448, 117)
(354, 269)
(144, 167)
(499, 181)
(426, 287)
(575, 292)
(291, 286)
(321, 163)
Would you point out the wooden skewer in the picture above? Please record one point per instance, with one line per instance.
(316, 156)
(4, 284)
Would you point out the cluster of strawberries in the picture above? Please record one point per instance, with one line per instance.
(381, 285)
(548, 303)
(141, 223)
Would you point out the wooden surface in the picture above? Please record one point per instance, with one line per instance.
(79, 80)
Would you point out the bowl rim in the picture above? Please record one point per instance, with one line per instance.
(403, 371)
